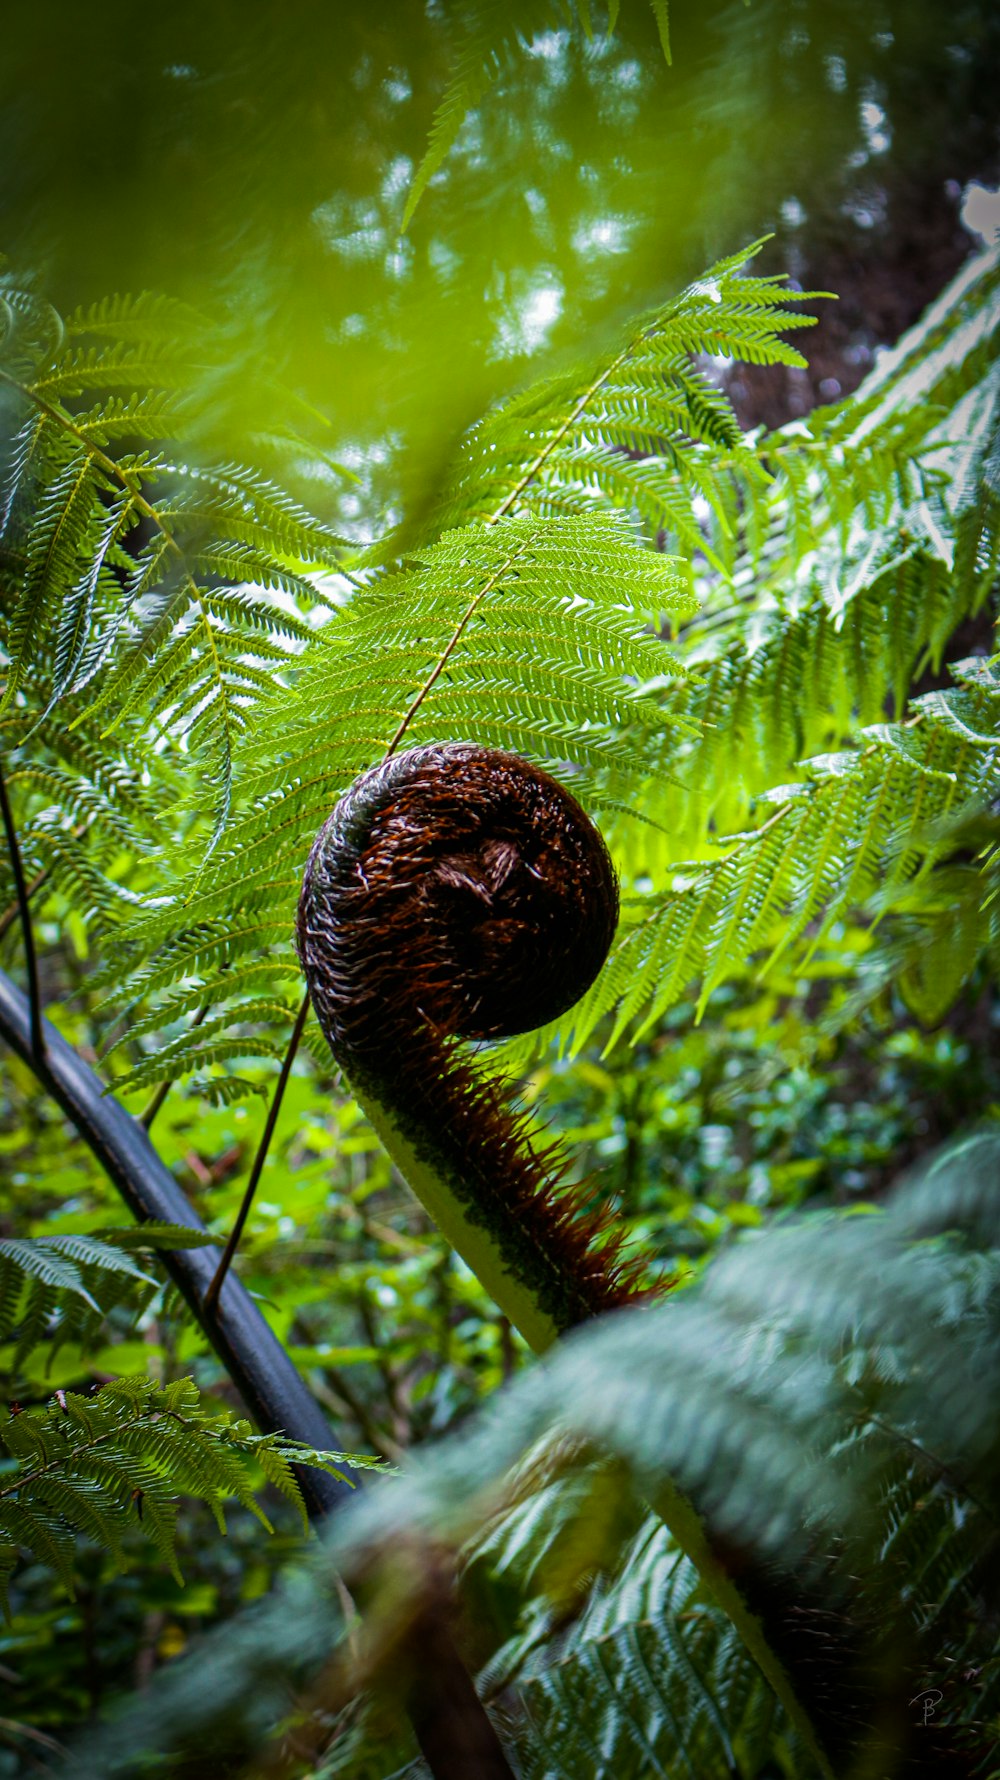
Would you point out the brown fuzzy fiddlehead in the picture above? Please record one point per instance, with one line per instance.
(458, 892)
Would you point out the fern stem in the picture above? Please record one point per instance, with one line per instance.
(944, 1473)
(574, 414)
(413, 930)
(13, 910)
(500, 513)
(30, 961)
(471, 609)
(211, 1298)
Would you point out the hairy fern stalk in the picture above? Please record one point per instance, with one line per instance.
(177, 722)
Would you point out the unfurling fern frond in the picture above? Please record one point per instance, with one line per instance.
(105, 1464)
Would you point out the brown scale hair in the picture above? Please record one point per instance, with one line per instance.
(457, 892)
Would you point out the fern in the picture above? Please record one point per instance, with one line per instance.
(104, 1464)
(832, 1385)
(439, 649)
(527, 630)
(852, 546)
(654, 1660)
(644, 1678)
(66, 1286)
(716, 639)
(91, 813)
(633, 428)
(529, 627)
(859, 820)
(132, 571)
(877, 533)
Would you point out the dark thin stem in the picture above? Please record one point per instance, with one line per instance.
(275, 1394)
(212, 1295)
(30, 961)
(447, 1716)
(154, 1104)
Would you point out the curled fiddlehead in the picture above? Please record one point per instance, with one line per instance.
(457, 892)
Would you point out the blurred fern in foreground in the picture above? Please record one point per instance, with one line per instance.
(832, 1387)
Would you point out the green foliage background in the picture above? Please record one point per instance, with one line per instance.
(478, 479)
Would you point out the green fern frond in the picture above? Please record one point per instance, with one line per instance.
(183, 623)
(676, 1692)
(64, 1287)
(89, 814)
(260, 974)
(200, 1049)
(859, 820)
(196, 951)
(105, 1464)
(148, 317)
(490, 35)
(632, 427)
(125, 364)
(833, 616)
(661, 13)
(490, 31)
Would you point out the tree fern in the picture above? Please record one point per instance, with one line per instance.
(853, 546)
(176, 720)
